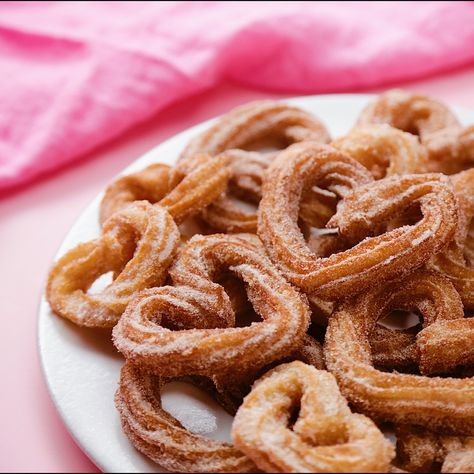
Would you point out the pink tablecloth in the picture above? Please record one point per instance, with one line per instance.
(74, 76)
(32, 224)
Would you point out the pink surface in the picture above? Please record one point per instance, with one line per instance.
(33, 223)
(74, 75)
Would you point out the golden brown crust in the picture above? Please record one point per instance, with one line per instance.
(142, 337)
(384, 150)
(231, 392)
(421, 450)
(413, 113)
(137, 244)
(161, 437)
(246, 170)
(450, 150)
(394, 349)
(256, 121)
(433, 402)
(184, 191)
(150, 184)
(452, 261)
(230, 135)
(325, 437)
(361, 213)
(449, 146)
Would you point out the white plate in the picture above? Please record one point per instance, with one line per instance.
(81, 366)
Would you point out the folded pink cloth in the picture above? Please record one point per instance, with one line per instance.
(74, 75)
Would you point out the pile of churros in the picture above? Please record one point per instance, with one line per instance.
(274, 302)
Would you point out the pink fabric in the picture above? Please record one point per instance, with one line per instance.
(74, 75)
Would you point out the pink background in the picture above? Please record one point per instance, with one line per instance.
(34, 221)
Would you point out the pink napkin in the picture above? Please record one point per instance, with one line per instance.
(74, 75)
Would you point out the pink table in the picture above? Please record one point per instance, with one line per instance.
(33, 224)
